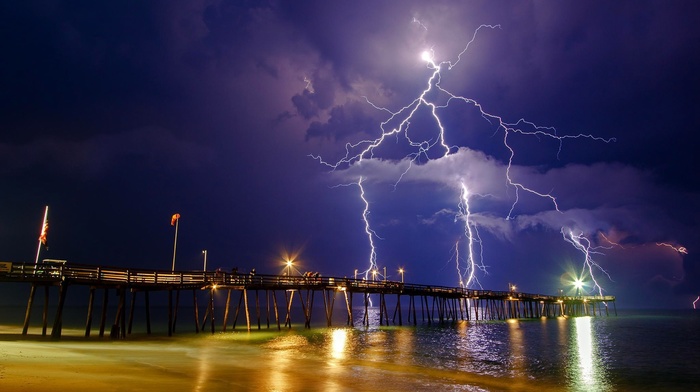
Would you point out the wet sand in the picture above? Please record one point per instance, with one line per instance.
(260, 361)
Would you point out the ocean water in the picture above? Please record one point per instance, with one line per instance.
(633, 351)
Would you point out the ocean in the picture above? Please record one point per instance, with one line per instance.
(631, 351)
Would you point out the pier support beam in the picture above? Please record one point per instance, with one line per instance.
(58, 321)
(28, 312)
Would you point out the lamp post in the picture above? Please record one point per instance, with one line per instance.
(578, 283)
(175, 221)
(374, 275)
(385, 274)
(204, 252)
(289, 267)
(401, 272)
(355, 273)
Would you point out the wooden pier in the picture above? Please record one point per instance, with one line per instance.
(433, 304)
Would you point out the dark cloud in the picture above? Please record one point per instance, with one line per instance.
(344, 121)
(104, 153)
(212, 108)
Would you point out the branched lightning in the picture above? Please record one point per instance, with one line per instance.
(583, 244)
(368, 230)
(371, 234)
(471, 232)
(398, 124)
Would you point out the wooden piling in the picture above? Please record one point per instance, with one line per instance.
(148, 312)
(45, 315)
(131, 311)
(226, 310)
(58, 321)
(28, 312)
(88, 322)
(103, 316)
(247, 313)
(211, 308)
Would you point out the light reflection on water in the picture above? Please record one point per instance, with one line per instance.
(584, 344)
(577, 354)
(588, 374)
(515, 338)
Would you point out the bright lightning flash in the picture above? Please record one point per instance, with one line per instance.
(401, 119)
(583, 244)
(471, 232)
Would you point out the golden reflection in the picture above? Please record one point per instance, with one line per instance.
(339, 341)
(405, 342)
(515, 336)
(462, 328)
(285, 352)
(203, 363)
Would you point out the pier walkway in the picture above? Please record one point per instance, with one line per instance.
(437, 303)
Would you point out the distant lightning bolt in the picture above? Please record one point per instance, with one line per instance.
(679, 249)
(401, 121)
(371, 234)
(583, 244)
(471, 232)
(415, 20)
(368, 230)
(309, 85)
(608, 240)
(459, 269)
(696, 301)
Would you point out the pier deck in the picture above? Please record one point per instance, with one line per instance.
(437, 303)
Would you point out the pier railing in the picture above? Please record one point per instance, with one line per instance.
(163, 279)
(435, 301)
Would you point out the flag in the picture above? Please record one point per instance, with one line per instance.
(174, 219)
(44, 232)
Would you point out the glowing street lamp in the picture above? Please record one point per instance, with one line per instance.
(578, 283)
(355, 273)
(374, 275)
(204, 252)
(401, 272)
(289, 267)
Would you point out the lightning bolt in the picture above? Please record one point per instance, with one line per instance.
(679, 249)
(583, 244)
(371, 234)
(696, 301)
(459, 269)
(471, 232)
(368, 230)
(416, 20)
(398, 124)
(309, 85)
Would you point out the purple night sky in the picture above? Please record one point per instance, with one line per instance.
(119, 115)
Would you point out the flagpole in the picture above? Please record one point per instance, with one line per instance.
(177, 224)
(43, 226)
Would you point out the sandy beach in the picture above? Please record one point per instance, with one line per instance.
(261, 360)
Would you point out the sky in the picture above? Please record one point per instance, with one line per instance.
(248, 119)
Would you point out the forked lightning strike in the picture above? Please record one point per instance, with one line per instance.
(471, 232)
(583, 244)
(365, 149)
